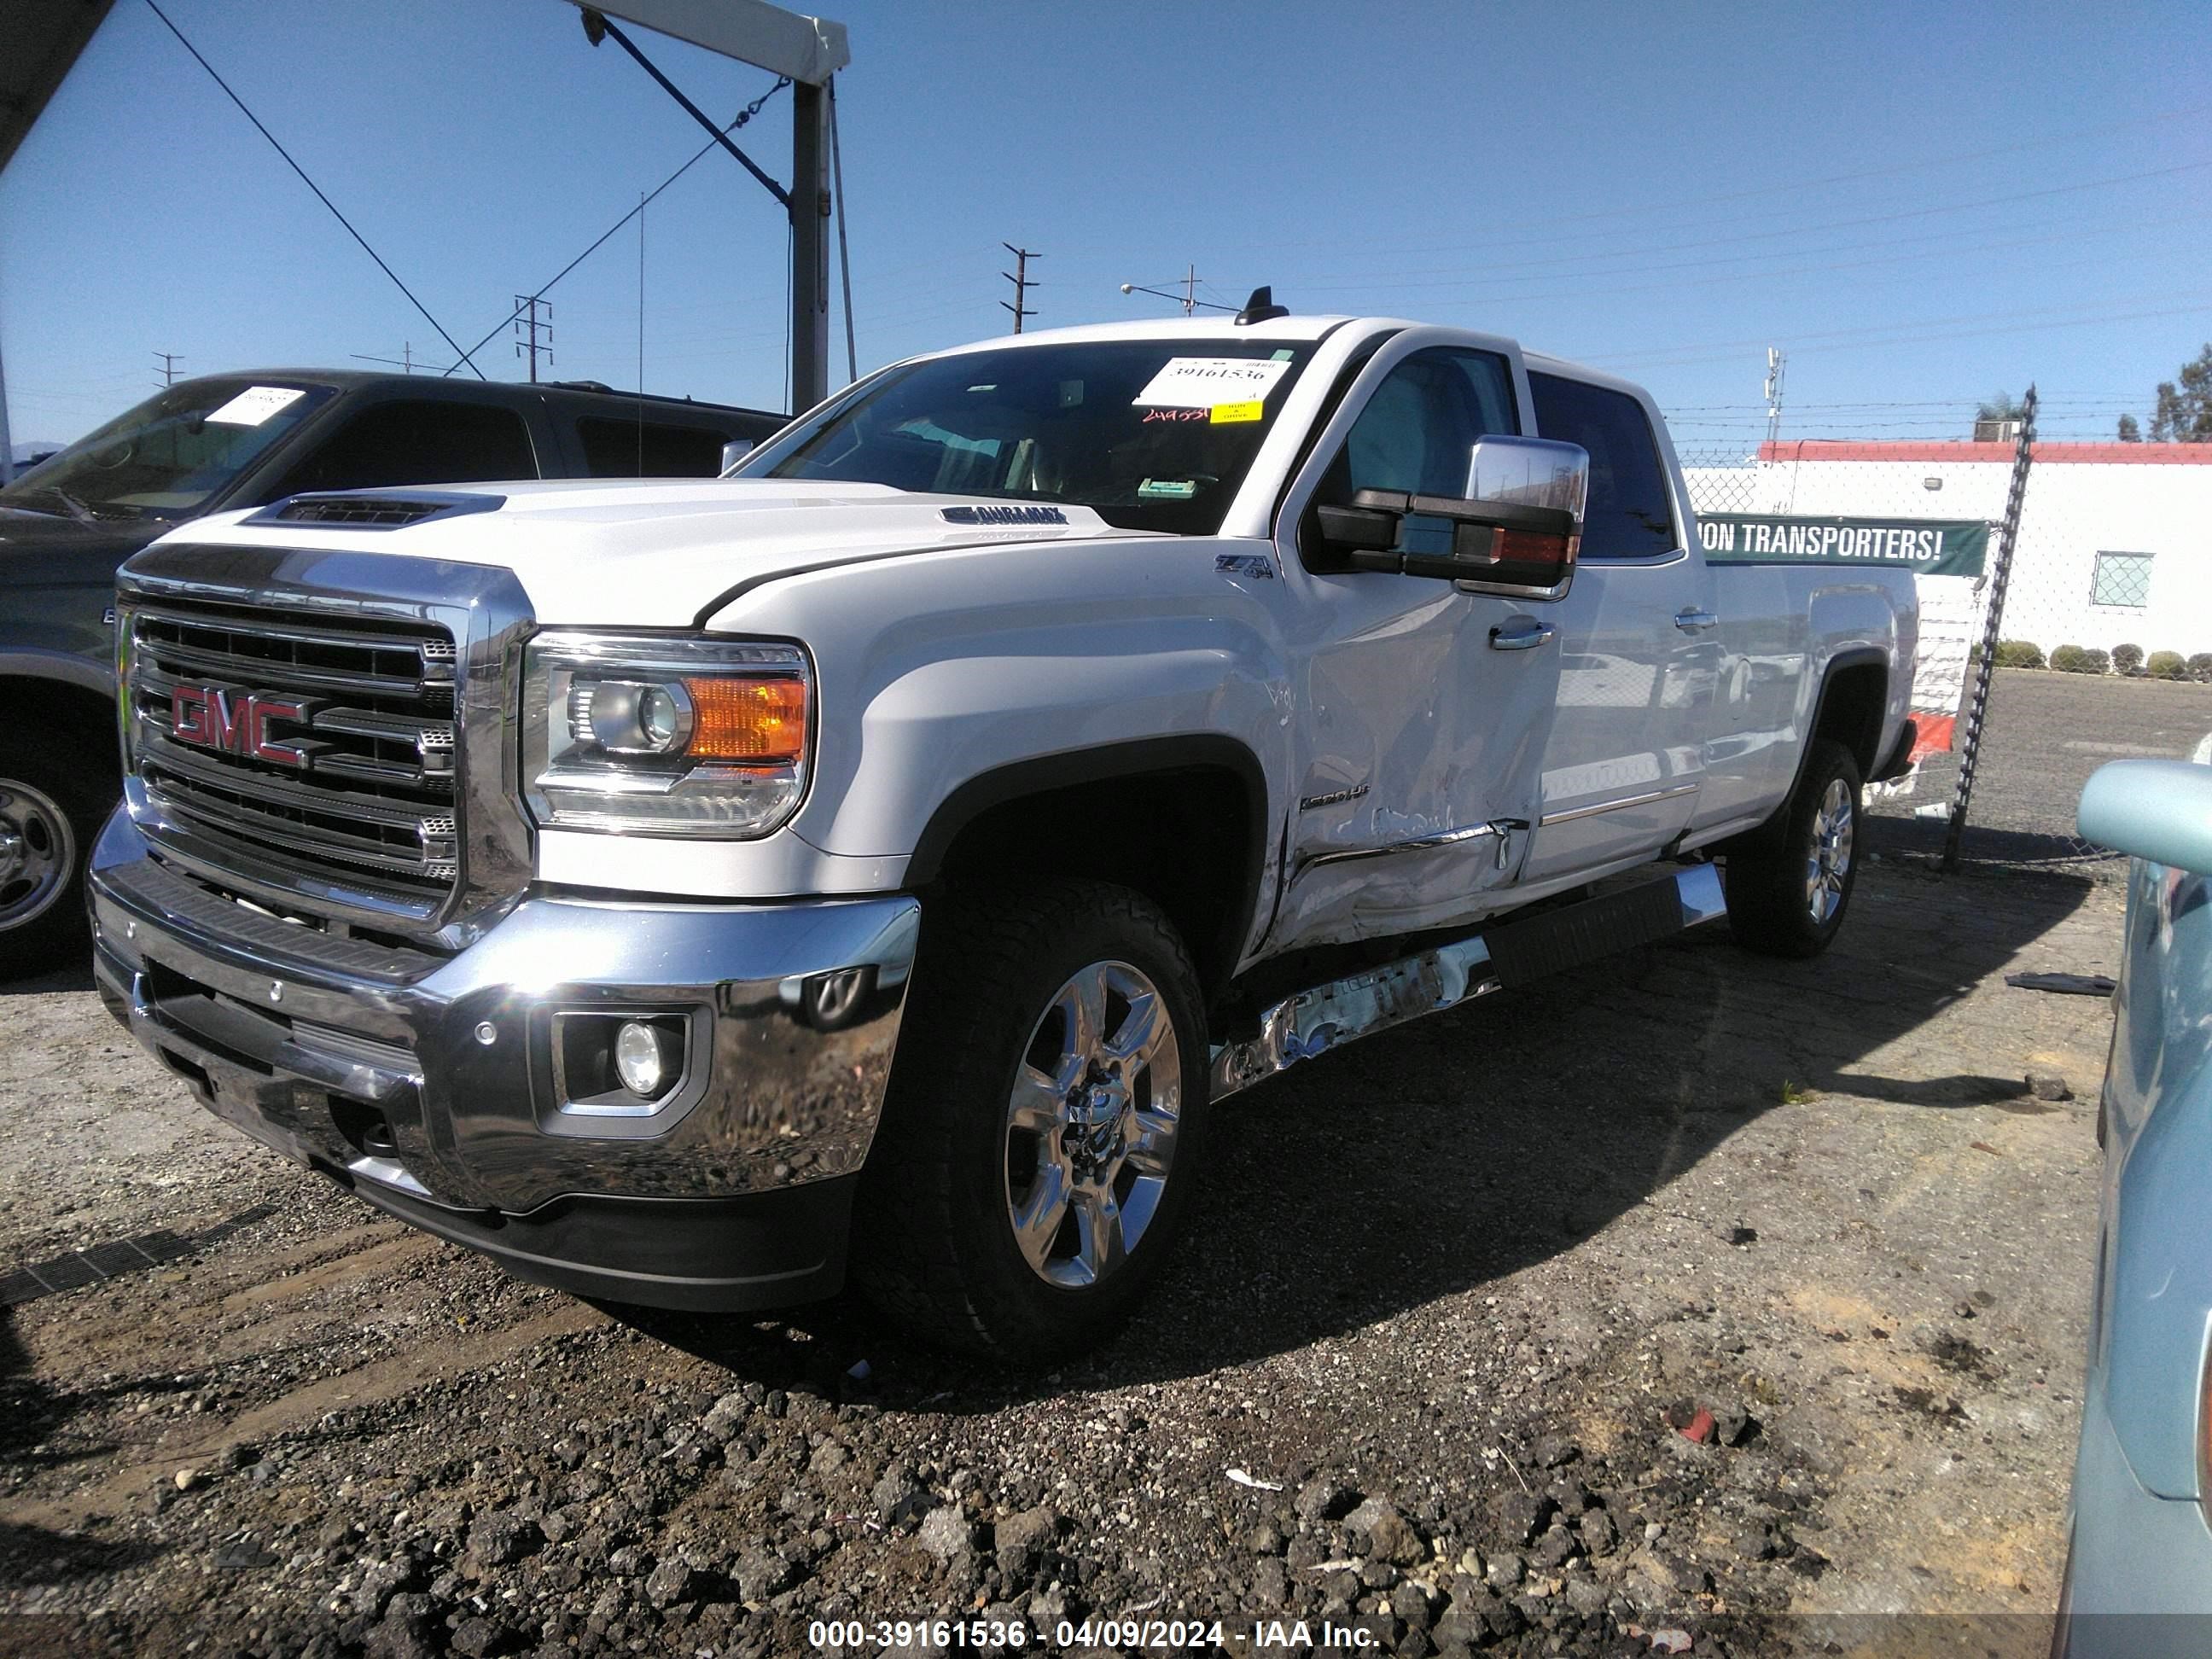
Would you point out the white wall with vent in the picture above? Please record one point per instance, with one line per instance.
(2078, 505)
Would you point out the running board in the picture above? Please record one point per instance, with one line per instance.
(1510, 953)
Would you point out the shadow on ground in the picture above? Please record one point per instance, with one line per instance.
(32, 1416)
(1979, 844)
(1431, 1160)
(66, 976)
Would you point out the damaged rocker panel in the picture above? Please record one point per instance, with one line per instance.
(1326, 1017)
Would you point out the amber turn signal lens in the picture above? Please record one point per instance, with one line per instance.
(1532, 547)
(751, 721)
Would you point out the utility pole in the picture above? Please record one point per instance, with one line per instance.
(169, 361)
(1190, 291)
(808, 207)
(1777, 362)
(1019, 276)
(7, 440)
(529, 324)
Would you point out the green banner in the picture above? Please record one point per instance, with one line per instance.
(1931, 547)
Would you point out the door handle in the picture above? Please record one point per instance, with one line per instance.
(1523, 635)
(1694, 621)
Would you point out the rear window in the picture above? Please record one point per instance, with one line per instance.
(1629, 516)
(648, 449)
(419, 441)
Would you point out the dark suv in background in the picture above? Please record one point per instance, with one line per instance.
(210, 445)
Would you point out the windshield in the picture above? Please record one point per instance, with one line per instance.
(1154, 435)
(167, 457)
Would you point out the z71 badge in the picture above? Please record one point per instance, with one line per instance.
(1257, 565)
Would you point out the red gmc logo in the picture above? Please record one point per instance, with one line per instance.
(235, 722)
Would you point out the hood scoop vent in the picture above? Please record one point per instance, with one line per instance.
(387, 509)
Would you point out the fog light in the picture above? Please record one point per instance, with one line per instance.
(645, 1056)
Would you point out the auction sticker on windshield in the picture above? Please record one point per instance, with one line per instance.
(255, 404)
(1210, 382)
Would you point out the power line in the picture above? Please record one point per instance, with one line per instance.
(1697, 243)
(306, 180)
(1938, 323)
(1527, 270)
(1892, 402)
(742, 116)
(1019, 276)
(1842, 341)
(1671, 205)
(404, 361)
(844, 256)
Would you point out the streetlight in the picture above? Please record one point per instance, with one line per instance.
(1188, 301)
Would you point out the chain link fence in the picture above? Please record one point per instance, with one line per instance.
(2103, 636)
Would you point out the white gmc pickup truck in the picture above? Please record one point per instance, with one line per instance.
(889, 853)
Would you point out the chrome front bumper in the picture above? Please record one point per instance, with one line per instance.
(430, 1084)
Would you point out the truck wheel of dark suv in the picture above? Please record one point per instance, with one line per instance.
(54, 791)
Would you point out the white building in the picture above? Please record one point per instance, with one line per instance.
(2115, 542)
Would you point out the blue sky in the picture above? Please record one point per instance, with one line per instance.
(1920, 205)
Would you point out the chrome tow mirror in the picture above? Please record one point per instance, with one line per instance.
(1516, 531)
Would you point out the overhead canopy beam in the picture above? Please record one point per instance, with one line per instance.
(807, 51)
(44, 38)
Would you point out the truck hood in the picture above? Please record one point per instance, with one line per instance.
(624, 552)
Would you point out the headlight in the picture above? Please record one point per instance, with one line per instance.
(664, 736)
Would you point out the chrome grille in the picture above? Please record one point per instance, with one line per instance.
(356, 780)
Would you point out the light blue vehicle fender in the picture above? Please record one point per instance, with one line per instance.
(2156, 1298)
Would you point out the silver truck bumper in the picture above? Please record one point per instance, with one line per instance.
(467, 1093)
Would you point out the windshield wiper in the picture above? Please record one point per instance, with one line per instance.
(77, 509)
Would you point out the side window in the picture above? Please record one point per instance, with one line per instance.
(1628, 516)
(647, 449)
(418, 442)
(1415, 432)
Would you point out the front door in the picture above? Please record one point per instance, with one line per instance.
(1420, 737)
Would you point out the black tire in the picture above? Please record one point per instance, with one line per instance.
(1771, 906)
(55, 792)
(935, 1233)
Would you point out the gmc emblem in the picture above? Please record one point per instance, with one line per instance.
(235, 722)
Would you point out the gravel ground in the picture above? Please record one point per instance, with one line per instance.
(1691, 1298)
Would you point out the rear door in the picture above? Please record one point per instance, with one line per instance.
(1626, 758)
(1417, 737)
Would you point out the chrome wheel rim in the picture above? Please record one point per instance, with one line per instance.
(1829, 860)
(838, 994)
(38, 850)
(1090, 1125)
